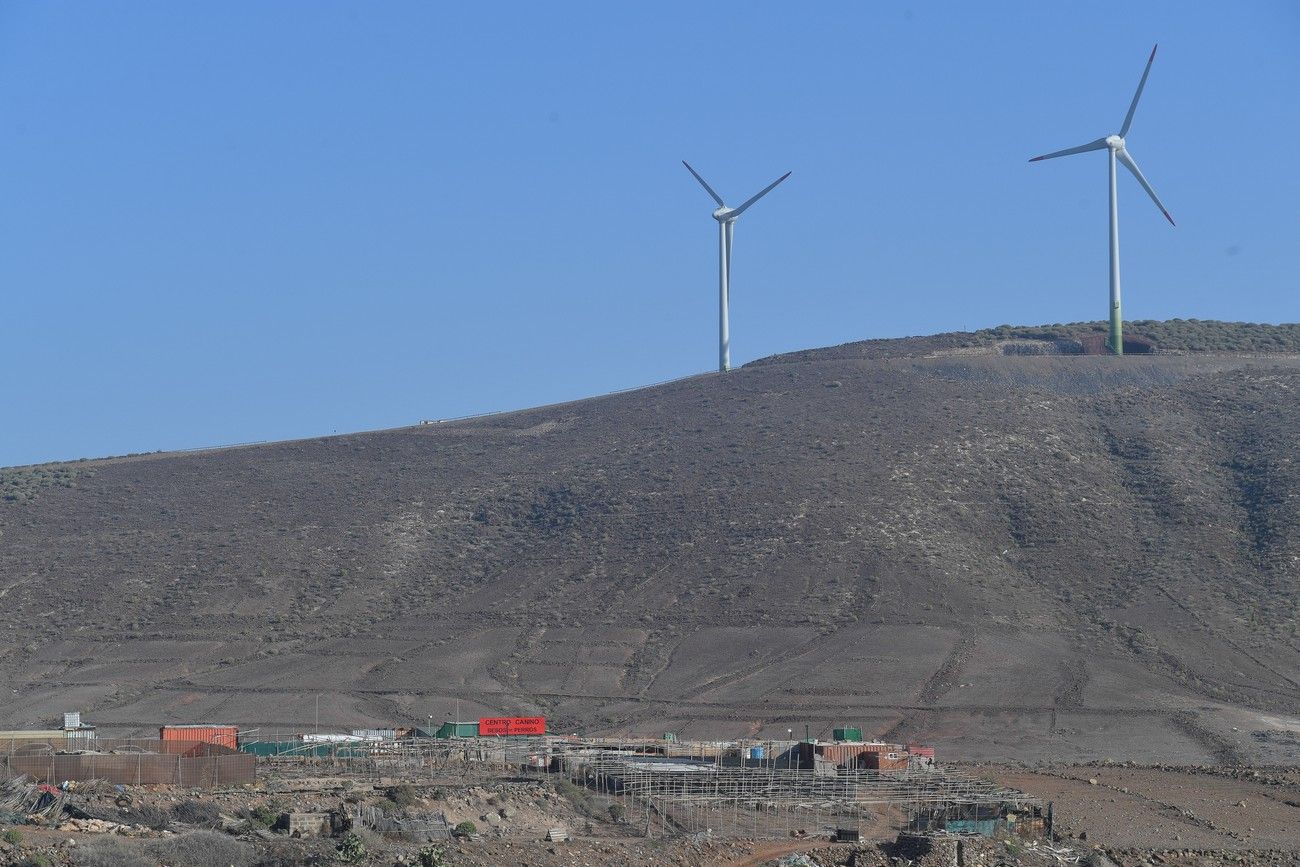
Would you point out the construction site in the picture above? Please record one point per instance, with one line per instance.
(477, 793)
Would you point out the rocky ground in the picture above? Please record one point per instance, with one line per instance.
(1206, 808)
(1135, 816)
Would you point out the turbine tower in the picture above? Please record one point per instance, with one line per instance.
(1118, 151)
(726, 218)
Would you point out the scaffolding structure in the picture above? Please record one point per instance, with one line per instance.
(660, 789)
(669, 797)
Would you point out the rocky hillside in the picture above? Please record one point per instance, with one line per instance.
(1014, 555)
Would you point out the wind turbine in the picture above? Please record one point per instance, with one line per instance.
(726, 218)
(1118, 151)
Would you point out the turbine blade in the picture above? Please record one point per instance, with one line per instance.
(1124, 157)
(1128, 118)
(703, 183)
(760, 194)
(1090, 146)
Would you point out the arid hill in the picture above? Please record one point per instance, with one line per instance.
(958, 539)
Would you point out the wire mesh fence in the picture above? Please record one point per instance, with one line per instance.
(135, 769)
(126, 761)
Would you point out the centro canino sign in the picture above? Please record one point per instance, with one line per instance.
(511, 725)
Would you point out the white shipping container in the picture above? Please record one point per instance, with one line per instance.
(375, 734)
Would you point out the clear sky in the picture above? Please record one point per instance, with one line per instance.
(241, 221)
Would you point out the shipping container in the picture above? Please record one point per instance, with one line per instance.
(843, 755)
(27, 741)
(226, 736)
(756, 752)
(846, 755)
(886, 761)
(31, 734)
(375, 734)
(847, 734)
(457, 730)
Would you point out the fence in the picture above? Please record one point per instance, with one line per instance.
(133, 762)
(410, 757)
(431, 828)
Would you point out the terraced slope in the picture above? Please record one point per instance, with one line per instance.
(1013, 556)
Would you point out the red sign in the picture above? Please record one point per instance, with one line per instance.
(511, 725)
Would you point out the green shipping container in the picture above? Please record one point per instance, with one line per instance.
(847, 734)
(457, 730)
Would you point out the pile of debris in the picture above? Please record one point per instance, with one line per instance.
(24, 800)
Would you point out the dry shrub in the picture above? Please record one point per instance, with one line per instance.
(204, 814)
(202, 849)
(106, 850)
(155, 818)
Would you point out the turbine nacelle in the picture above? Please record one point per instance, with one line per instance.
(725, 215)
(1118, 146)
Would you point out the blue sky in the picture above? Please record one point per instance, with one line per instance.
(250, 221)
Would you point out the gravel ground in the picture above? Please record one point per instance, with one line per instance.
(1172, 808)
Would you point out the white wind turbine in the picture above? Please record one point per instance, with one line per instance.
(1115, 144)
(726, 217)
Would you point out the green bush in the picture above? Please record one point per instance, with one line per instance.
(13, 837)
(616, 812)
(1173, 335)
(465, 829)
(579, 797)
(351, 849)
(262, 816)
(431, 856)
(402, 796)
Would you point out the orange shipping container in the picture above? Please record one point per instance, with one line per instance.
(846, 755)
(225, 736)
(886, 761)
